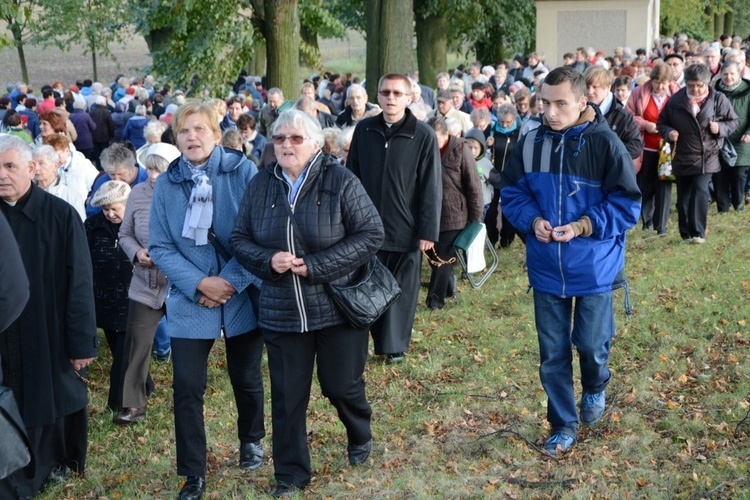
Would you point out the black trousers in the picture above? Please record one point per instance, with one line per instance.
(441, 279)
(139, 336)
(391, 333)
(729, 187)
(341, 352)
(656, 194)
(692, 204)
(116, 343)
(190, 360)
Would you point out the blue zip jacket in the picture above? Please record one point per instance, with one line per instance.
(560, 177)
(186, 264)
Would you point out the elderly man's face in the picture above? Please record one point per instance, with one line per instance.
(357, 99)
(308, 92)
(475, 70)
(677, 66)
(15, 175)
(444, 106)
(712, 58)
(275, 100)
(125, 174)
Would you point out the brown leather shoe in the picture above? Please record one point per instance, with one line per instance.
(130, 416)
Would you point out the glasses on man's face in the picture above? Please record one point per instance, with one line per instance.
(294, 139)
(387, 93)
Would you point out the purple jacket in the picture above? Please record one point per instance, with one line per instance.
(85, 127)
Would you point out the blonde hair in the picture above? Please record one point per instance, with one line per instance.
(205, 109)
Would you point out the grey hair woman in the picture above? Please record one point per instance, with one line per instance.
(147, 291)
(335, 230)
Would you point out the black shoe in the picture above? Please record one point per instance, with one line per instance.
(284, 490)
(194, 488)
(395, 357)
(251, 455)
(358, 454)
(130, 416)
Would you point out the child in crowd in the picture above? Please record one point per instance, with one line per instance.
(488, 176)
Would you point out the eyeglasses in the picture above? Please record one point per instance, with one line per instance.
(396, 93)
(294, 139)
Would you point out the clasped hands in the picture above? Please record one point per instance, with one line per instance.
(282, 262)
(215, 291)
(545, 233)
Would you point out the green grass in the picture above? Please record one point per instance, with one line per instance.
(464, 415)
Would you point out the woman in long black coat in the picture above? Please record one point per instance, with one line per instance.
(112, 274)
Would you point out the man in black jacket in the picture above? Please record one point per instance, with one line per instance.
(46, 350)
(598, 85)
(397, 159)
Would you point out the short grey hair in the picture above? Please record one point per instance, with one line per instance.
(46, 151)
(101, 100)
(300, 120)
(12, 142)
(154, 128)
(507, 109)
(345, 137)
(117, 156)
(141, 110)
(698, 72)
(79, 104)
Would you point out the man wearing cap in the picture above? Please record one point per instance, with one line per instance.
(676, 61)
(445, 109)
(46, 350)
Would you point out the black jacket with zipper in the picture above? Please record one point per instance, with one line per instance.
(340, 228)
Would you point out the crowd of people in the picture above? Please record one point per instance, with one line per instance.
(266, 199)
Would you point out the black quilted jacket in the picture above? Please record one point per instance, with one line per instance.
(340, 227)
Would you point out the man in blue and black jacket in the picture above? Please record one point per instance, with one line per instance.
(570, 187)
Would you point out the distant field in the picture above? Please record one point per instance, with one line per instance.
(49, 64)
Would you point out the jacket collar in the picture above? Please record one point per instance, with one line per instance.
(408, 128)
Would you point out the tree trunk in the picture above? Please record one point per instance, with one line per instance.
(390, 29)
(93, 63)
(282, 39)
(432, 45)
(729, 19)
(158, 39)
(257, 65)
(710, 18)
(718, 25)
(18, 42)
(310, 37)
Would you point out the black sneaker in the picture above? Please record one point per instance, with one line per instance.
(165, 357)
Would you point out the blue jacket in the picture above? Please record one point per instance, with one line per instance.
(186, 264)
(101, 179)
(560, 177)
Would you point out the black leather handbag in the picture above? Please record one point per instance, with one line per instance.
(365, 299)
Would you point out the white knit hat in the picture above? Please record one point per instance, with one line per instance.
(165, 150)
(111, 192)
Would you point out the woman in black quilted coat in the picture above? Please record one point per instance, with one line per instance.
(337, 231)
(112, 274)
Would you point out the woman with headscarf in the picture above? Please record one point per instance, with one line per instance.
(696, 118)
(193, 212)
(730, 181)
(112, 273)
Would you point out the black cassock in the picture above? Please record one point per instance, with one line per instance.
(57, 325)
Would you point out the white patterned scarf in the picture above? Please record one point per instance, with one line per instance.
(200, 211)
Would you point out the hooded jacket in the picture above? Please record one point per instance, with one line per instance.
(462, 194)
(489, 178)
(562, 176)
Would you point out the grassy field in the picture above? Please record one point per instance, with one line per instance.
(464, 415)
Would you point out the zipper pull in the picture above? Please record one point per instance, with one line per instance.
(559, 145)
(386, 144)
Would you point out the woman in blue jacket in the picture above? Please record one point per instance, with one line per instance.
(198, 198)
